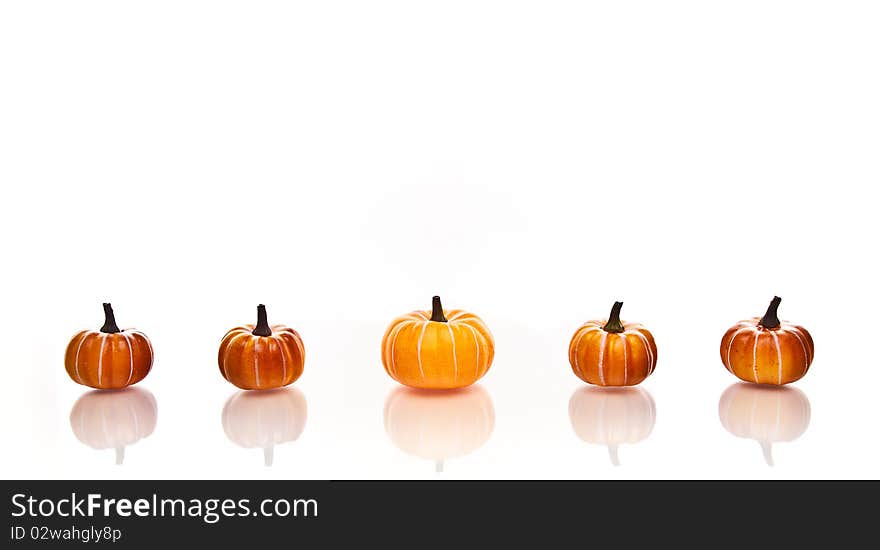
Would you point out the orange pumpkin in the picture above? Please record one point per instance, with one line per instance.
(437, 349)
(612, 352)
(260, 357)
(108, 358)
(765, 350)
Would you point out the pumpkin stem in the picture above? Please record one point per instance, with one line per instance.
(120, 455)
(612, 454)
(437, 313)
(614, 324)
(268, 455)
(438, 466)
(771, 319)
(767, 449)
(109, 321)
(262, 328)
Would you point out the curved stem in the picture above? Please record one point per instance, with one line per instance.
(614, 324)
(767, 450)
(612, 454)
(109, 321)
(268, 455)
(771, 318)
(437, 310)
(262, 328)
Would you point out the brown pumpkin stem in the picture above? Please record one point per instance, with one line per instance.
(614, 325)
(109, 321)
(437, 312)
(771, 318)
(262, 328)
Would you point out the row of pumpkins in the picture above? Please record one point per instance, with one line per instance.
(440, 426)
(445, 349)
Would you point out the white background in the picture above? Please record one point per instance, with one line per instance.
(532, 162)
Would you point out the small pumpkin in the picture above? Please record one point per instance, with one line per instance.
(263, 420)
(108, 358)
(612, 352)
(439, 426)
(437, 349)
(114, 419)
(260, 357)
(765, 350)
(612, 416)
(767, 414)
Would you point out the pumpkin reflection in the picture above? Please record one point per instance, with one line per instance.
(439, 426)
(262, 420)
(767, 414)
(114, 419)
(612, 416)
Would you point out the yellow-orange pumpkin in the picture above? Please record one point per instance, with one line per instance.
(109, 358)
(260, 357)
(437, 349)
(765, 350)
(612, 352)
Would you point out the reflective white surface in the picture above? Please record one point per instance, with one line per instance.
(439, 426)
(264, 419)
(531, 162)
(526, 419)
(612, 417)
(114, 419)
(765, 414)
